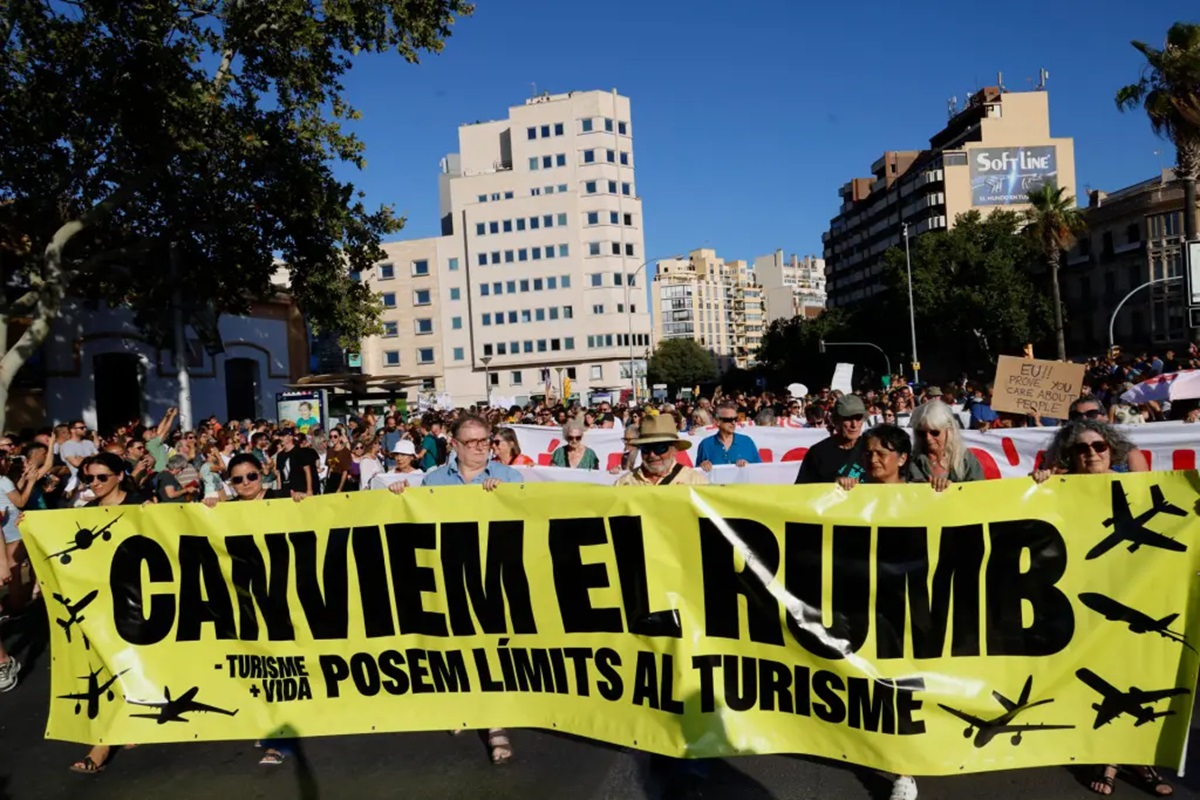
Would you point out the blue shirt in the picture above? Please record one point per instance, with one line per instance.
(448, 475)
(741, 449)
(982, 413)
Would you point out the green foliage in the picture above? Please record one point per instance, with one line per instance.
(680, 363)
(790, 349)
(131, 126)
(1053, 222)
(973, 294)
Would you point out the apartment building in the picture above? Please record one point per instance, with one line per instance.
(991, 154)
(537, 267)
(1134, 236)
(791, 288)
(717, 303)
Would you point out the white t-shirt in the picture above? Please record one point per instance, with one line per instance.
(73, 449)
(368, 468)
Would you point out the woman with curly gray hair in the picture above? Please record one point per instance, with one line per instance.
(1092, 447)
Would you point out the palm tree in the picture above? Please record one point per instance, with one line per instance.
(1054, 222)
(1169, 91)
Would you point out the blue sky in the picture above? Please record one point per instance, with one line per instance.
(747, 119)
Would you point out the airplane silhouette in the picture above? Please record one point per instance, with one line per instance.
(1128, 528)
(75, 617)
(93, 693)
(1138, 622)
(173, 710)
(84, 538)
(1133, 702)
(1002, 725)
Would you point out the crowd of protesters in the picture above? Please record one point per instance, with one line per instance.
(895, 435)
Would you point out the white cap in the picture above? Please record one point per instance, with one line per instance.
(405, 447)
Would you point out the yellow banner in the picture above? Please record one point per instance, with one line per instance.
(893, 627)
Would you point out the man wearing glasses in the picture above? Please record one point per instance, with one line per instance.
(837, 456)
(471, 440)
(657, 442)
(77, 448)
(727, 446)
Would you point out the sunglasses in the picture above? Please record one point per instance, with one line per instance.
(933, 434)
(726, 419)
(1082, 448)
(658, 448)
(86, 479)
(249, 477)
(1095, 413)
(574, 438)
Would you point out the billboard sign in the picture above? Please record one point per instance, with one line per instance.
(302, 410)
(1003, 176)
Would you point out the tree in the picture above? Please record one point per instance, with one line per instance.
(791, 348)
(1169, 92)
(974, 296)
(141, 135)
(1054, 222)
(679, 363)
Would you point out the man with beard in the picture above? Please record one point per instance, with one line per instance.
(657, 442)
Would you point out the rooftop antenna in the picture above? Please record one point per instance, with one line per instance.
(1043, 75)
(533, 88)
(951, 107)
(1000, 81)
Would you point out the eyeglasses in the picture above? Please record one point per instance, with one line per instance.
(658, 448)
(1095, 413)
(101, 478)
(79, 428)
(929, 433)
(1082, 448)
(727, 419)
(478, 444)
(249, 477)
(574, 438)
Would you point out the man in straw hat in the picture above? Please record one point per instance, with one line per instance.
(657, 441)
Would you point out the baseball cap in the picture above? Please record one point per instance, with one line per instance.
(405, 447)
(850, 405)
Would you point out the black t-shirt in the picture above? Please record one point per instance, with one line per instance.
(291, 469)
(825, 462)
(271, 494)
(131, 499)
(166, 479)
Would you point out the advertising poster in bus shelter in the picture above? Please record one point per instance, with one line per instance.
(301, 410)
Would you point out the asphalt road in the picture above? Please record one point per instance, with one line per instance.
(437, 766)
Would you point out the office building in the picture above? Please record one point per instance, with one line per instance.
(791, 288)
(535, 277)
(717, 303)
(1133, 236)
(991, 154)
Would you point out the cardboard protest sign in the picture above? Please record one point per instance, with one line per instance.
(1023, 384)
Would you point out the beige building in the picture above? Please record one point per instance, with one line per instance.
(1135, 235)
(990, 155)
(538, 268)
(717, 303)
(791, 288)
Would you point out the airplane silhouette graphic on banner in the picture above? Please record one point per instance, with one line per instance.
(988, 729)
(84, 538)
(1128, 528)
(1132, 703)
(93, 693)
(1138, 622)
(173, 710)
(74, 615)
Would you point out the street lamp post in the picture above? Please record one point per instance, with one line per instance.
(629, 314)
(487, 380)
(1112, 320)
(822, 344)
(561, 399)
(912, 315)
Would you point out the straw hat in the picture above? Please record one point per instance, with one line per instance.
(658, 429)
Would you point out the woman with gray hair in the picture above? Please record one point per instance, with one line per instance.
(573, 454)
(940, 457)
(1093, 447)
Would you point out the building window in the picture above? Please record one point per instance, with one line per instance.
(621, 128)
(589, 187)
(589, 156)
(355, 276)
(515, 377)
(424, 326)
(571, 373)
(593, 250)
(537, 253)
(389, 299)
(553, 312)
(512, 318)
(545, 131)
(483, 259)
(391, 358)
(459, 354)
(560, 160)
(598, 308)
(482, 198)
(391, 329)
(562, 187)
(533, 165)
(548, 221)
(608, 124)
(568, 312)
(525, 285)
(593, 218)
(612, 217)
(386, 272)
(597, 373)
(507, 226)
(547, 162)
(496, 257)
(531, 133)
(625, 159)
(456, 323)
(558, 129)
(565, 282)
(626, 188)
(587, 125)
(425, 355)
(552, 282)
(508, 195)
(522, 254)
(534, 192)
(534, 223)
(611, 156)
(541, 345)
(480, 228)
(540, 314)
(562, 220)
(616, 248)
(487, 319)
(493, 227)
(616, 279)
(421, 297)
(569, 343)
(629, 249)
(420, 268)
(483, 289)
(508, 256)
(453, 265)
(629, 219)
(497, 288)
(495, 195)
(537, 284)
(526, 315)
(487, 349)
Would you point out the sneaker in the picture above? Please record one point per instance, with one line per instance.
(8, 674)
(904, 788)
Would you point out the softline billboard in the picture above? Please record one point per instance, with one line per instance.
(1002, 176)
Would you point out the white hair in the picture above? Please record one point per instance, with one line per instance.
(937, 416)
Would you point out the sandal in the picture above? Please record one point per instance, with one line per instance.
(271, 758)
(499, 748)
(87, 767)
(1105, 784)
(1152, 781)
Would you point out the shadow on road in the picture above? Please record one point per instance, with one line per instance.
(30, 636)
